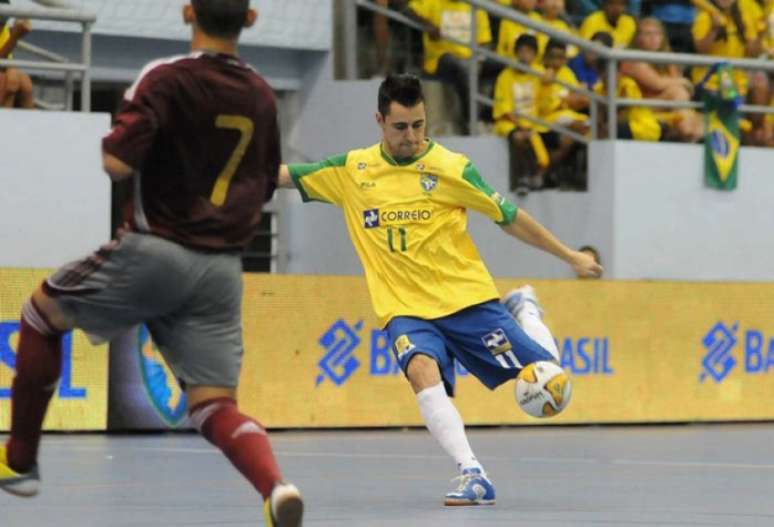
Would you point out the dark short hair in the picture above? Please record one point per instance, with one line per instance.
(555, 44)
(404, 89)
(593, 251)
(606, 39)
(526, 40)
(221, 18)
(603, 37)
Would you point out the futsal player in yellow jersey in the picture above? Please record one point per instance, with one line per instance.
(405, 202)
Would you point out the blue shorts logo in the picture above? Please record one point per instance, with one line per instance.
(339, 362)
(371, 218)
(497, 342)
(719, 342)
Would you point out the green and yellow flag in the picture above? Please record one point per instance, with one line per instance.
(721, 119)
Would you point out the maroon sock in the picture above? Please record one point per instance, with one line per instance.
(242, 439)
(38, 366)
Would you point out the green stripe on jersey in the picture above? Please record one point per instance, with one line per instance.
(300, 170)
(507, 209)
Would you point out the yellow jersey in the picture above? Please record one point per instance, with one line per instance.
(408, 223)
(559, 25)
(454, 20)
(642, 121)
(732, 46)
(552, 107)
(622, 32)
(515, 90)
(5, 34)
(510, 31)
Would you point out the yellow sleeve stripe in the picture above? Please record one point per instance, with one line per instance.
(301, 170)
(507, 209)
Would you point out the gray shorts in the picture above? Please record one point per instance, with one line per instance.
(190, 301)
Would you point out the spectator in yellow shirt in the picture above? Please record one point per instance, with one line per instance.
(733, 33)
(516, 91)
(611, 19)
(664, 81)
(634, 122)
(15, 85)
(510, 30)
(553, 12)
(445, 59)
(561, 106)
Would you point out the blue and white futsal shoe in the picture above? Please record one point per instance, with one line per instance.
(474, 489)
(516, 299)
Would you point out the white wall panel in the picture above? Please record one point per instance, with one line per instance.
(54, 196)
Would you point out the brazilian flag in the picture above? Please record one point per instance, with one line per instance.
(721, 120)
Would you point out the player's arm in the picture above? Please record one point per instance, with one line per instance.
(115, 168)
(320, 181)
(525, 228)
(283, 178)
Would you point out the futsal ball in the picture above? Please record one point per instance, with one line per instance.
(543, 389)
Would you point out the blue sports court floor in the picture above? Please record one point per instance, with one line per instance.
(690, 475)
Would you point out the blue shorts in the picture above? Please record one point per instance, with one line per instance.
(484, 338)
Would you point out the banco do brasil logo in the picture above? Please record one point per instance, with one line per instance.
(343, 343)
(727, 344)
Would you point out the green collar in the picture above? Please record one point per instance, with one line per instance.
(403, 162)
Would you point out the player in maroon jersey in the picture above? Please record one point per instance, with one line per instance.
(198, 136)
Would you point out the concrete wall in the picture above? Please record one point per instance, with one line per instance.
(669, 225)
(54, 197)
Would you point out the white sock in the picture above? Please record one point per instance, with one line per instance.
(532, 323)
(445, 424)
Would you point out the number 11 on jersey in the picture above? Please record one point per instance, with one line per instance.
(391, 242)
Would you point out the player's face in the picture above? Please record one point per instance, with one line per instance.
(650, 38)
(526, 55)
(614, 9)
(403, 129)
(555, 59)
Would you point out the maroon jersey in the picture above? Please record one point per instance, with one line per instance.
(201, 131)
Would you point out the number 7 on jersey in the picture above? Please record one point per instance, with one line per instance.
(246, 129)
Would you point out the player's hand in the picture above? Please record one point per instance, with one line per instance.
(21, 28)
(584, 265)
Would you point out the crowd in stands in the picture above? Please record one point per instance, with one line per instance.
(720, 28)
(15, 85)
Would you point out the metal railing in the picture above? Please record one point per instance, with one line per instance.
(612, 56)
(52, 61)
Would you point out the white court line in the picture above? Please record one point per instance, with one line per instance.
(381, 455)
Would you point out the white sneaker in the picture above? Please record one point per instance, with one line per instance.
(516, 299)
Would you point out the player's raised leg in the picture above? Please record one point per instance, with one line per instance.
(38, 367)
(523, 305)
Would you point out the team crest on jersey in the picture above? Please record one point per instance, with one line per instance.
(428, 182)
(497, 342)
(371, 218)
(161, 386)
(403, 345)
